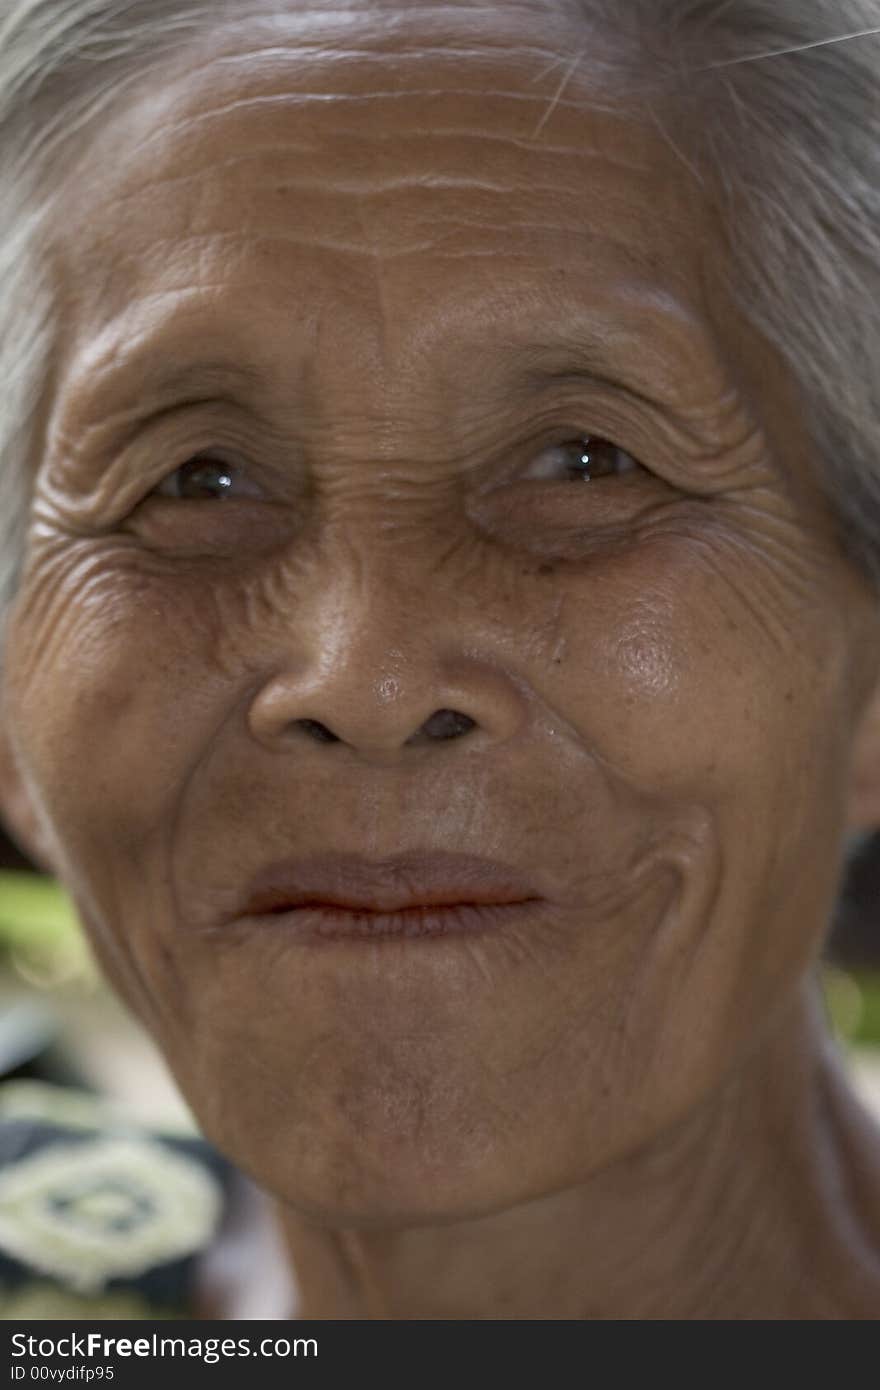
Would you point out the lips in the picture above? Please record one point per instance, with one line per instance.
(410, 894)
(416, 881)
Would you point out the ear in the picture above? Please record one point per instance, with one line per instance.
(18, 808)
(864, 797)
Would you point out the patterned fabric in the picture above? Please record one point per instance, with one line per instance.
(98, 1216)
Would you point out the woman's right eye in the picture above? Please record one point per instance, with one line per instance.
(206, 479)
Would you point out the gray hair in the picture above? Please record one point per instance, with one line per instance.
(773, 104)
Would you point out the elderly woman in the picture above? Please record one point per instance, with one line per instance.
(441, 469)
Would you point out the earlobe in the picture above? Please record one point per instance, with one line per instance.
(17, 807)
(864, 797)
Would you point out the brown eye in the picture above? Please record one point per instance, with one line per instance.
(583, 460)
(206, 479)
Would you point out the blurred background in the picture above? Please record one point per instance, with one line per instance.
(59, 1023)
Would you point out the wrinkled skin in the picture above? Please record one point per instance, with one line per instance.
(409, 280)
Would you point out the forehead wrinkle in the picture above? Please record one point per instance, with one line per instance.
(171, 115)
(425, 184)
(443, 189)
(362, 185)
(440, 190)
(233, 57)
(515, 142)
(293, 100)
(434, 150)
(369, 248)
(433, 132)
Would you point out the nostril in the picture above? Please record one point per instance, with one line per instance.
(447, 723)
(318, 731)
(443, 724)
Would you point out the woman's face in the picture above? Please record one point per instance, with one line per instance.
(396, 288)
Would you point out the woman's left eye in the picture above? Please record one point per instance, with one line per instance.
(206, 479)
(583, 460)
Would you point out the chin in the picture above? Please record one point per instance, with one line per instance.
(388, 1170)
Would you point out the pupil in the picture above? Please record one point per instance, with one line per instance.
(205, 479)
(594, 457)
(585, 459)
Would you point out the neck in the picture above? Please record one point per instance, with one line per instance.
(764, 1204)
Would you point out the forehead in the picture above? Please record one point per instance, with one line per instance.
(377, 173)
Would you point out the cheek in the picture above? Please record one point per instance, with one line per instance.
(732, 693)
(692, 701)
(115, 695)
(675, 681)
(110, 682)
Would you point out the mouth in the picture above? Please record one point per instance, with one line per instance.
(327, 922)
(415, 896)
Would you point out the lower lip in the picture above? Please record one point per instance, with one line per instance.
(314, 924)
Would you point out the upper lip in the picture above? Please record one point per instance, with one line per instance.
(415, 879)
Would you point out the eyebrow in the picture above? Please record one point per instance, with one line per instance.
(125, 394)
(563, 364)
(168, 387)
(145, 385)
(528, 371)
(582, 360)
(646, 346)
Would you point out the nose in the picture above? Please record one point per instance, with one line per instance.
(385, 672)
